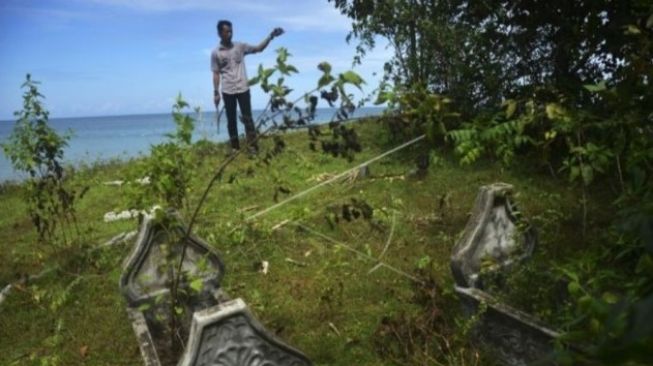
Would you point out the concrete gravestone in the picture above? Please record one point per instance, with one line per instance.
(492, 238)
(228, 335)
(495, 238)
(150, 267)
(221, 332)
(149, 270)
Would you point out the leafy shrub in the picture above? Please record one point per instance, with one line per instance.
(36, 149)
(415, 110)
(170, 166)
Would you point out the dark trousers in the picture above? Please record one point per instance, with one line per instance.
(245, 103)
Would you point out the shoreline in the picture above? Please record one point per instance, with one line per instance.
(126, 137)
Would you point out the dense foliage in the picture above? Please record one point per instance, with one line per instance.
(562, 85)
(36, 149)
(480, 53)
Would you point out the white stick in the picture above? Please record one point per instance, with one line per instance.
(343, 174)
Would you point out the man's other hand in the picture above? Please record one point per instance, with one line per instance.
(216, 100)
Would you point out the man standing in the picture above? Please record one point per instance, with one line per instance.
(228, 66)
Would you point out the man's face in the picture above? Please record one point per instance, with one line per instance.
(226, 33)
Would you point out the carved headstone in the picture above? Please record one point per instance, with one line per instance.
(493, 238)
(227, 334)
(152, 264)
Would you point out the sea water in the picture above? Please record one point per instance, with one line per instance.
(122, 137)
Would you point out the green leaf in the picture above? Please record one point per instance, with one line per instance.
(511, 107)
(596, 87)
(574, 288)
(268, 72)
(325, 80)
(610, 297)
(197, 284)
(324, 67)
(632, 29)
(574, 172)
(352, 78)
(423, 262)
(180, 102)
(384, 96)
(291, 68)
(203, 264)
(573, 276)
(282, 55)
(283, 69)
(278, 91)
(368, 250)
(265, 86)
(264, 74)
(554, 111)
(644, 264)
(253, 81)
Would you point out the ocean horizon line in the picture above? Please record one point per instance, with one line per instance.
(212, 111)
(125, 136)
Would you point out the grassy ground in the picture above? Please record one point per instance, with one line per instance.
(318, 296)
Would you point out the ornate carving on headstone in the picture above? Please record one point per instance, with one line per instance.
(493, 238)
(229, 335)
(150, 267)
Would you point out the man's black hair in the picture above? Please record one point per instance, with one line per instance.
(223, 23)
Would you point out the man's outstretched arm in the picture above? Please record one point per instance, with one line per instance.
(275, 33)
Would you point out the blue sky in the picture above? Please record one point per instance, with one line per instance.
(112, 57)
